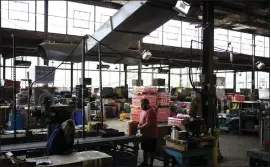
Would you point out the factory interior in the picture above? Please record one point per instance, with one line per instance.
(189, 85)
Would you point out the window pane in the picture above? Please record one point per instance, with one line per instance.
(80, 19)
(263, 80)
(190, 32)
(155, 37)
(57, 17)
(220, 38)
(40, 16)
(267, 47)
(172, 33)
(235, 39)
(174, 80)
(229, 80)
(18, 14)
(240, 81)
(102, 15)
(246, 43)
(259, 42)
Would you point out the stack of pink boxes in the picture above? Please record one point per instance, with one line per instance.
(149, 93)
(163, 114)
(163, 99)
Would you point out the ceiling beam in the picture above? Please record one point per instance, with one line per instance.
(235, 9)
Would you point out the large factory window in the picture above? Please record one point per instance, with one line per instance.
(235, 40)
(175, 77)
(240, 81)
(172, 33)
(229, 79)
(259, 42)
(60, 78)
(18, 14)
(220, 38)
(266, 47)
(21, 72)
(57, 17)
(102, 15)
(246, 41)
(147, 78)
(190, 32)
(40, 16)
(155, 37)
(263, 80)
(80, 19)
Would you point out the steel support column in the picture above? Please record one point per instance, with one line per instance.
(152, 70)
(46, 6)
(14, 85)
(234, 81)
(139, 72)
(71, 77)
(83, 88)
(169, 79)
(208, 109)
(35, 15)
(101, 83)
(4, 68)
(125, 76)
(253, 68)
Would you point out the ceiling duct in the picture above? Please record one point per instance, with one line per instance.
(61, 52)
(133, 21)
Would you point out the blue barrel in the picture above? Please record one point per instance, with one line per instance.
(122, 158)
(19, 121)
(77, 116)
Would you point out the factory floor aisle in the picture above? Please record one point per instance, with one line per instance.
(233, 147)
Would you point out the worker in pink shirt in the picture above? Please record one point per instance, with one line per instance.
(148, 128)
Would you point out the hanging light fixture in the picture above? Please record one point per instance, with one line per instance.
(116, 68)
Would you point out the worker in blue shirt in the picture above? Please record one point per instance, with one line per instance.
(62, 139)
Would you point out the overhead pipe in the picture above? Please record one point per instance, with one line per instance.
(61, 51)
(132, 22)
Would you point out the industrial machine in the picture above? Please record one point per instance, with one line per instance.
(52, 115)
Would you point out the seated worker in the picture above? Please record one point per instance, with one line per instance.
(149, 130)
(62, 139)
(196, 106)
(46, 95)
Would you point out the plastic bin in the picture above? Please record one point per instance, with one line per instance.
(19, 121)
(77, 116)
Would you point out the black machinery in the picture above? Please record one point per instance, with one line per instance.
(52, 114)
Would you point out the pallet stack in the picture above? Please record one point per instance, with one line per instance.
(162, 114)
(163, 111)
(140, 93)
(163, 99)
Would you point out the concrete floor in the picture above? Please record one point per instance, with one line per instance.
(233, 147)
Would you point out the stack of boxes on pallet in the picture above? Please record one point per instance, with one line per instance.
(163, 111)
(155, 99)
(140, 93)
